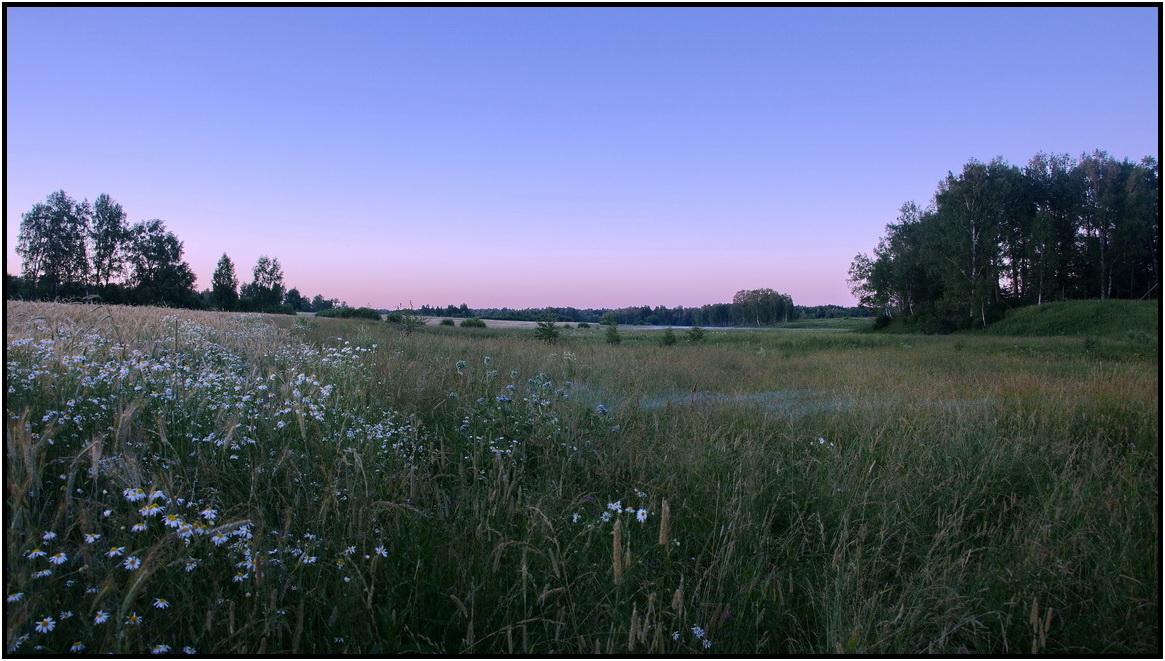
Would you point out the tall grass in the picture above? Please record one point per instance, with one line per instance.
(333, 486)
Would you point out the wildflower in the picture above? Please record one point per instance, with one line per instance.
(151, 509)
(381, 551)
(172, 521)
(42, 573)
(46, 625)
(675, 635)
(697, 632)
(602, 410)
(309, 559)
(15, 597)
(36, 553)
(240, 577)
(138, 527)
(48, 535)
(134, 618)
(191, 565)
(100, 617)
(64, 615)
(185, 531)
(209, 514)
(114, 551)
(615, 506)
(77, 647)
(606, 516)
(131, 563)
(574, 517)
(641, 515)
(707, 643)
(91, 537)
(133, 495)
(155, 495)
(218, 538)
(189, 650)
(350, 550)
(58, 558)
(160, 603)
(106, 513)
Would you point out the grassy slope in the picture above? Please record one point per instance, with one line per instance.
(1111, 319)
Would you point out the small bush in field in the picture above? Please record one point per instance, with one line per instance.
(546, 331)
(695, 334)
(583, 324)
(668, 339)
(612, 336)
(472, 322)
(448, 322)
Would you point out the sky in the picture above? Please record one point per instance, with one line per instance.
(594, 157)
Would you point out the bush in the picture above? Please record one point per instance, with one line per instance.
(472, 322)
(349, 313)
(583, 324)
(280, 309)
(696, 334)
(448, 322)
(613, 335)
(668, 338)
(546, 331)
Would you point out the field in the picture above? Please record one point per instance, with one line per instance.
(239, 484)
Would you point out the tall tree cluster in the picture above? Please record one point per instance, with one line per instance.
(997, 235)
(72, 249)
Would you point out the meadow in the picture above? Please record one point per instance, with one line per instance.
(219, 483)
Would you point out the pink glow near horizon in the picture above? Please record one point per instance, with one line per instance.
(581, 157)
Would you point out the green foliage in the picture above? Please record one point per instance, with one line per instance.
(1111, 319)
(612, 334)
(547, 331)
(583, 324)
(51, 243)
(1000, 236)
(448, 322)
(668, 338)
(695, 334)
(109, 237)
(472, 322)
(406, 321)
(225, 284)
(159, 273)
(344, 312)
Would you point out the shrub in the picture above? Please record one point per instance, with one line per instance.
(449, 322)
(613, 335)
(583, 324)
(349, 313)
(696, 334)
(668, 338)
(472, 322)
(546, 331)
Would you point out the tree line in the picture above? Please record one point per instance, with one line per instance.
(997, 236)
(750, 307)
(80, 251)
(74, 250)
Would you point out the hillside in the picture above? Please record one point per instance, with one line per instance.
(1111, 319)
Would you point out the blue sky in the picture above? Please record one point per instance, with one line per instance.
(587, 157)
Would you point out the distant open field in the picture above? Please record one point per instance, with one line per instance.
(260, 484)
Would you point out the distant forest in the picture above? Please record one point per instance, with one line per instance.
(77, 251)
(998, 236)
(738, 313)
